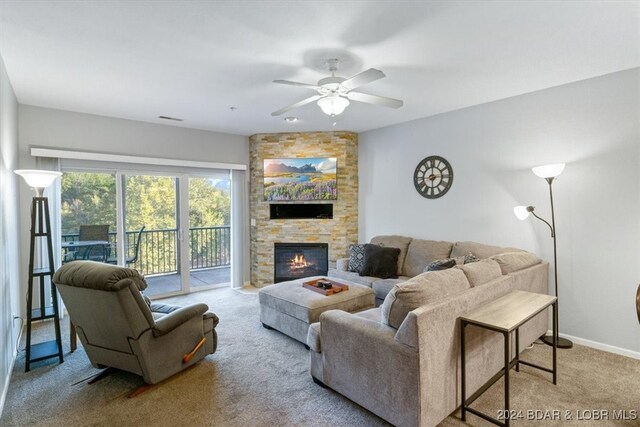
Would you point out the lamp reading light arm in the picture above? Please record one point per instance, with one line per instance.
(530, 210)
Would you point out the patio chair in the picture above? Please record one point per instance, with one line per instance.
(136, 253)
(95, 252)
(120, 329)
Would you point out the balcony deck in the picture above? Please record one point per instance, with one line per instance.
(165, 283)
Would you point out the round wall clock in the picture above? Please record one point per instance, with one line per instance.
(433, 177)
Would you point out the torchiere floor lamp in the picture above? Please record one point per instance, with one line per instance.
(549, 173)
(41, 275)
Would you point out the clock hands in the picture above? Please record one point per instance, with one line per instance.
(433, 177)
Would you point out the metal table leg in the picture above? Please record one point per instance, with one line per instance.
(507, 361)
(463, 325)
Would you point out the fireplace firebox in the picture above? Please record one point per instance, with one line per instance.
(296, 260)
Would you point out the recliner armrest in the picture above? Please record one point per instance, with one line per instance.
(168, 323)
(212, 316)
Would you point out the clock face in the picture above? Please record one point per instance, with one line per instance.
(433, 177)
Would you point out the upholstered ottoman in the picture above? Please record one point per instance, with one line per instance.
(290, 308)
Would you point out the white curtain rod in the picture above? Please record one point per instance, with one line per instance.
(121, 158)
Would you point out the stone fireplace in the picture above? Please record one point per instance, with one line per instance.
(296, 260)
(334, 225)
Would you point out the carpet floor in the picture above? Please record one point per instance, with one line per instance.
(260, 377)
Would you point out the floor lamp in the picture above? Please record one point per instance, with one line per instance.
(549, 173)
(41, 229)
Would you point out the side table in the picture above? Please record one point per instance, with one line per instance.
(505, 315)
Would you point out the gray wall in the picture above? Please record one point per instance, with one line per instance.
(45, 127)
(9, 239)
(593, 126)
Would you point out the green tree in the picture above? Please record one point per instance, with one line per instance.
(87, 198)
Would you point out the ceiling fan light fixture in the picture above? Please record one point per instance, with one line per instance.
(333, 104)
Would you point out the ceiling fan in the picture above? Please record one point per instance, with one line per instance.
(334, 93)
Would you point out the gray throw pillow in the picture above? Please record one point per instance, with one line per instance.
(441, 264)
(380, 262)
(469, 258)
(356, 258)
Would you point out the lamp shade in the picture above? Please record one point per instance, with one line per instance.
(38, 178)
(521, 212)
(333, 104)
(549, 171)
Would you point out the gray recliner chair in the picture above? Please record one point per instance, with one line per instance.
(120, 328)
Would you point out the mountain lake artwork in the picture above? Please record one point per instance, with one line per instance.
(302, 179)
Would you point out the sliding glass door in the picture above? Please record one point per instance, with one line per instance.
(173, 228)
(209, 231)
(151, 221)
(88, 215)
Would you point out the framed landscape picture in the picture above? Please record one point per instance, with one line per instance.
(302, 179)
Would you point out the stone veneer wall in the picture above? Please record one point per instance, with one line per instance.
(339, 232)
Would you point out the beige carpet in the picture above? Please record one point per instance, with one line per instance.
(260, 378)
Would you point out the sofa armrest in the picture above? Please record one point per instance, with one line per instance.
(363, 361)
(342, 264)
(169, 322)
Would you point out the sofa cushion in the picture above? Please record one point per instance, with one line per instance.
(342, 264)
(352, 277)
(373, 314)
(356, 258)
(481, 272)
(514, 261)
(380, 261)
(421, 253)
(478, 249)
(420, 290)
(399, 242)
(383, 286)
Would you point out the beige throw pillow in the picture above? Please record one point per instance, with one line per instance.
(481, 272)
(514, 261)
(420, 290)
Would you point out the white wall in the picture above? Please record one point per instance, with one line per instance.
(50, 128)
(9, 239)
(593, 126)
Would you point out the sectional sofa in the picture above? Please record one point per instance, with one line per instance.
(402, 360)
(415, 256)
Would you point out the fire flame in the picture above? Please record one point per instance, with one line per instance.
(298, 262)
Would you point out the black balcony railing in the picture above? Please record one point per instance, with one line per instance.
(209, 247)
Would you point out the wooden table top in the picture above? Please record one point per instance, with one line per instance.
(510, 311)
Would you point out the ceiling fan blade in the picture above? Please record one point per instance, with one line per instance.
(363, 78)
(290, 83)
(375, 99)
(296, 105)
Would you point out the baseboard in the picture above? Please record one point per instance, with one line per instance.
(5, 387)
(599, 346)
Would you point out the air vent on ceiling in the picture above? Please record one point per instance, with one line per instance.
(175, 119)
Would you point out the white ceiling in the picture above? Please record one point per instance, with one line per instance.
(195, 59)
